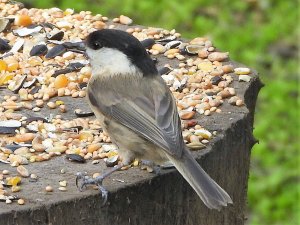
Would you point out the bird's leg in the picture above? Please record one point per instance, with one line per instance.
(85, 180)
(155, 168)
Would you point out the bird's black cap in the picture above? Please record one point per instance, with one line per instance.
(126, 43)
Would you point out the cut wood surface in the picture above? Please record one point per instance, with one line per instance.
(136, 196)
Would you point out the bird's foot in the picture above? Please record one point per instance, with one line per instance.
(150, 166)
(82, 180)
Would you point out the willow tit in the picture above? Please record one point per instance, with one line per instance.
(138, 111)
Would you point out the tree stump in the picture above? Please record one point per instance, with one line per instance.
(144, 198)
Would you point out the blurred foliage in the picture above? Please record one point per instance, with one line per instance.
(263, 35)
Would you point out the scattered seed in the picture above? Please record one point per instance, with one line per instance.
(51, 105)
(23, 20)
(96, 161)
(15, 188)
(48, 189)
(112, 161)
(5, 172)
(96, 175)
(23, 171)
(75, 158)
(187, 115)
(244, 78)
(33, 176)
(218, 56)
(62, 189)
(239, 102)
(39, 50)
(125, 20)
(63, 183)
(21, 201)
(80, 113)
(242, 71)
(56, 51)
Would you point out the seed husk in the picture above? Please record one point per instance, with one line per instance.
(35, 118)
(75, 158)
(112, 161)
(10, 123)
(19, 84)
(173, 44)
(30, 84)
(23, 32)
(58, 36)
(148, 43)
(39, 50)
(7, 130)
(193, 49)
(167, 39)
(56, 51)
(215, 80)
(164, 70)
(4, 46)
(4, 24)
(80, 113)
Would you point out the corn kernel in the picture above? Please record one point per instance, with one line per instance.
(61, 81)
(23, 20)
(12, 66)
(3, 65)
(14, 181)
(4, 78)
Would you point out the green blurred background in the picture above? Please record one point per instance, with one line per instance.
(264, 35)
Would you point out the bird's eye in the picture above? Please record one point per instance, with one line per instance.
(97, 45)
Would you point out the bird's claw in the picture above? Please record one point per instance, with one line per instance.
(82, 180)
(104, 194)
(81, 176)
(151, 165)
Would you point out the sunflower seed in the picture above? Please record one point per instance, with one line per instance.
(58, 36)
(80, 113)
(39, 50)
(173, 44)
(147, 43)
(55, 51)
(75, 158)
(4, 46)
(18, 84)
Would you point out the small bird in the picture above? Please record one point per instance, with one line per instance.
(138, 111)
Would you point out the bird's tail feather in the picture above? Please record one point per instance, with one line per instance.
(213, 196)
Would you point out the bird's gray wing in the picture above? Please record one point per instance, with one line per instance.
(150, 113)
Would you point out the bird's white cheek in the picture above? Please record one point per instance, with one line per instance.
(110, 61)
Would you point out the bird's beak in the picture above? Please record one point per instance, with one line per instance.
(79, 47)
